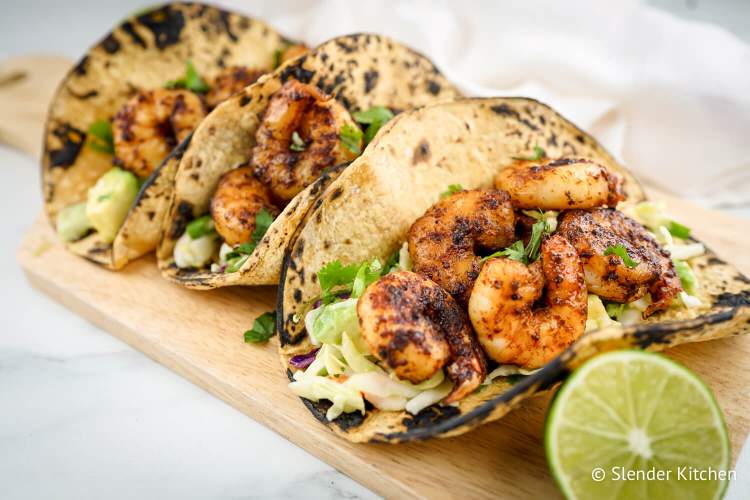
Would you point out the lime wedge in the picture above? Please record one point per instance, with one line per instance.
(631, 424)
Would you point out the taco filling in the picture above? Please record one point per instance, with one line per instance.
(492, 283)
(140, 136)
(303, 131)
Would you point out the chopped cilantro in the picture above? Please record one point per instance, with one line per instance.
(452, 189)
(335, 278)
(538, 155)
(297, 143)
(622, 252)
(191, 80)
(351, 138)
(263, 328)
(525, 253)
(101, 137)
(366, 274)
(678, 230)
(333, 275)
(201, 226)
(375, 117)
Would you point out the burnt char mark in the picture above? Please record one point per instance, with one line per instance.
(137, 39)
(433, 87)
(84, 95)
(421, 152)
(245, 100)
(297, 72)
(505, 110)
(734, 299)
(72, 140)
(336, 193)
(111, 44)
(82, 66)
(165, 23)
(345, 421)
(371, 79)
(224, 20)
(430, 417)
(183, 216)
(419, 430)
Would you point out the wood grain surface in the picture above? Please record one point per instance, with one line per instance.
(199, 336)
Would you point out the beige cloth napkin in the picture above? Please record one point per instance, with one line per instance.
(669, 97)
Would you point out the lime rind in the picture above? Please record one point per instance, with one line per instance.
(618, 445)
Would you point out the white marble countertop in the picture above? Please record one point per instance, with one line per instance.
(83, 415)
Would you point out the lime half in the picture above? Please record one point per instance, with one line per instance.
(631, 424)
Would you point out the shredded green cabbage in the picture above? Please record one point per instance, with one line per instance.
(597, 314)
(335, 327)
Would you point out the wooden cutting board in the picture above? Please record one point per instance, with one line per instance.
(199, 336)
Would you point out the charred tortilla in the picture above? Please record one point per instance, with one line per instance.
(367, 211)
(142, 53)
(360, 71)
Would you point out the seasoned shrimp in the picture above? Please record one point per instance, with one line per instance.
(298, 138)
(593, 231)
(416, 329)
(560, 184)
(443, 243)
(502, 305)
(230, 81)
(237, 199)
(150, 124)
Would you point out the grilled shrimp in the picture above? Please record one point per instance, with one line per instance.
(560, 184)
(593, 231)
(230, 81)
(501, 307)
(239, 196)
(150, 124)
(416, 328)
(443, 243)
(302, 112)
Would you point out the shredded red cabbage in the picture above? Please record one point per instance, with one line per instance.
(302, 361)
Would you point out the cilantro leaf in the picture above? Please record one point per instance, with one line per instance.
(622, 252)
(200, 227)
(678, 230)
(525, 253)
(367, 273)
(375, 117)
(452, 189)
(535, 241)
(351, 138)
(191, 80)
(101, 137)
(334, 274)
(297, 143)
(538, 155)
(516, 252)
(263, 328)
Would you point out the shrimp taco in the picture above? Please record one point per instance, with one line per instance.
(126, 104)
(475, 253)
(256, 164)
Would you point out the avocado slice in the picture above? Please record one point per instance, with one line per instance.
(72, 223)
(109, 202)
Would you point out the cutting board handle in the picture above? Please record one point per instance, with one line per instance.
(27, 84)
